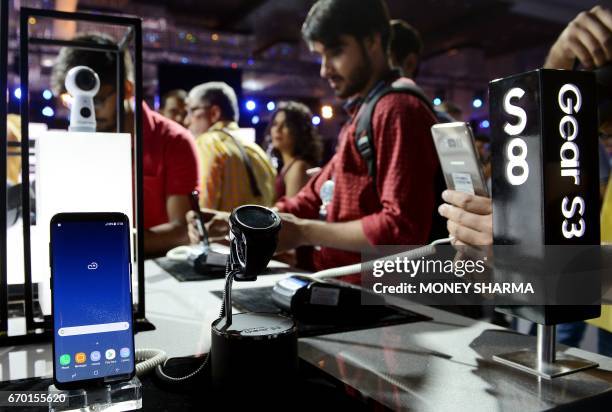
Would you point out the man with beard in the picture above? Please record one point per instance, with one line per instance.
(344, 209)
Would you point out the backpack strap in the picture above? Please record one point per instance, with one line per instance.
(364, 135)
(364, 139)
(246, 160)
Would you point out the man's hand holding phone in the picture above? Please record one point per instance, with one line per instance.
(470, 218)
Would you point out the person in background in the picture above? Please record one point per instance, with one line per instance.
(344, 209)
(452, 110)
(296, 146)
(13, 162)
(234, 171)
(170, 161)
(606, 140)
(404, 54)
(405, 48)
(470, 217)
(174, 106)
(483, 145)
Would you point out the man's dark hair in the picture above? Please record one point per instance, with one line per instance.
(103, 63)
(330, 19)
(216, 94)
(175, 93)
(405, 40)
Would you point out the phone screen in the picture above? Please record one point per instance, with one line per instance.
(92, 303)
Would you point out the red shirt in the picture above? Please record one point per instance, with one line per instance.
(397, 210)
(170, 164)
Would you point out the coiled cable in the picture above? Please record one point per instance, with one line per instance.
(148, 359)
(229, 274)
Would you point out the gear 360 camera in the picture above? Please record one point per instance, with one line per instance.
(83, 84)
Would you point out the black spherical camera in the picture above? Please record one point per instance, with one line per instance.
(258, 348)
(254, 237)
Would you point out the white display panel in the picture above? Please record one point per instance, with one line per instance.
(78, 172)
(83, 172)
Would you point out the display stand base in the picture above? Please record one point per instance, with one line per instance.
(115, 397)
(527, 361)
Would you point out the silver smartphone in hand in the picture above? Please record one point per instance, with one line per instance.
(459, 158)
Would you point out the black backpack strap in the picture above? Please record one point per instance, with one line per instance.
(247, 163)
(364, 134)
(364, 139)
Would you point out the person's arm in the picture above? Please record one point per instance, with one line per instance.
(470, 218)
(587, 38)
(161, 238)
(306, 232)
(296, 178)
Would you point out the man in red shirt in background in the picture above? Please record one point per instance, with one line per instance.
(397, 206)
(170, 161)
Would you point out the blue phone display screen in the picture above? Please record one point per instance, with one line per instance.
(92, 304)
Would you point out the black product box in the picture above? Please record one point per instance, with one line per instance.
(545, 176)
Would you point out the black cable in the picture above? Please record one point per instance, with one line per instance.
(159, 371)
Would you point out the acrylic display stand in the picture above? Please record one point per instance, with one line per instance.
(113, 397)
(36, 326)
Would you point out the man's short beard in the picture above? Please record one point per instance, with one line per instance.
(358, 79)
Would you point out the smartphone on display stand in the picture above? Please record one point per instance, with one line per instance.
(91, 292)
(459, 158)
